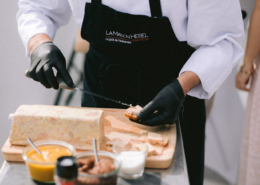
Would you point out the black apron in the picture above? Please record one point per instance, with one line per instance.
(131, 58)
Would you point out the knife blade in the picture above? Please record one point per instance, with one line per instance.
(63, 85)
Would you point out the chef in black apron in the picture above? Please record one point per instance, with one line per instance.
(135, 59)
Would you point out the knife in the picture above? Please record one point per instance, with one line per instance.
(63, 85)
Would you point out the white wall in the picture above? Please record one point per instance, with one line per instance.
(15, 88)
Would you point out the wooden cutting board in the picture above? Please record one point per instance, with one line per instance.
(116, 116)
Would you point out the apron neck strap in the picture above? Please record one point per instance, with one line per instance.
(96, 1)
(155, 7)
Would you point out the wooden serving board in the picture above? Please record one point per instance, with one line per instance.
(116, 116)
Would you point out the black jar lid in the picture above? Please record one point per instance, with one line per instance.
(66, 167)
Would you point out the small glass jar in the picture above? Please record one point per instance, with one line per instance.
(43, 172)
(101, 179)
(132, 156)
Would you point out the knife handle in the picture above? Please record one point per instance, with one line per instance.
(26, 73)
(61, 82)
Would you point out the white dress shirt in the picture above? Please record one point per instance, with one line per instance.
(214, 27)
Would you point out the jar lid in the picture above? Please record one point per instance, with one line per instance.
(66, 167)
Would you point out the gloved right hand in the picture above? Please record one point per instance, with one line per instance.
(43, 58)
(165, 107)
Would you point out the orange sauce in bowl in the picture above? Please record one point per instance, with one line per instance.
(41, 167)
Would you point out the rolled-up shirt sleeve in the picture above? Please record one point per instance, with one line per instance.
(215, 28)
(41, 16)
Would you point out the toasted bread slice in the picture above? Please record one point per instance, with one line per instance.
(157, 139)
(132, 112)
(120, 126)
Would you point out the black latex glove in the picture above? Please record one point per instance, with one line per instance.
(165, 107)
(43, 59)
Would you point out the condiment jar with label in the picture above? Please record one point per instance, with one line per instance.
(66, 171)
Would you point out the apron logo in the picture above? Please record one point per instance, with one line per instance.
(115, 36)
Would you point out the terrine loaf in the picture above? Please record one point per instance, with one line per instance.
(76, 126)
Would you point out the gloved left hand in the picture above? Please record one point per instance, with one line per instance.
(45, 57)
(165, 107)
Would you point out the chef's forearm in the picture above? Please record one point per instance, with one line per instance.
(188, 80)
(37, 40)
